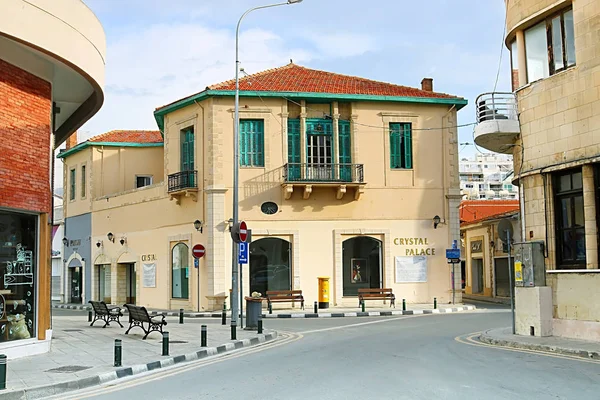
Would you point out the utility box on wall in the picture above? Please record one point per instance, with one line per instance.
(529, 265)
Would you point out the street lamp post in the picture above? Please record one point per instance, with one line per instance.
(236, 165)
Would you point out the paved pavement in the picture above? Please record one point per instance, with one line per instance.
(308, 312)
(407, 357)
(84, 355)
(565, 346)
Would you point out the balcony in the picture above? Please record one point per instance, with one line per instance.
(184, 183)
(338, 176)
(497, 122)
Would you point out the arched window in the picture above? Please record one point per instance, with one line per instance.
(180, 283)
(270, 267)
(362, 264)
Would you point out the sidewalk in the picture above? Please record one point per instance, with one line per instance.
(559, 345)
(308, 312)
(83, 356)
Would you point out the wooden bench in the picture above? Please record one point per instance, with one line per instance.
(281, 296)
(376, 294)
(105, 313)
(138, 316)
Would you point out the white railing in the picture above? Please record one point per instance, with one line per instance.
(496, 106)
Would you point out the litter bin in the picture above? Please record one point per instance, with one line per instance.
(323, 292)
(253, 311)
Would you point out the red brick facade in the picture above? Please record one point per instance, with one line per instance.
(25, 115)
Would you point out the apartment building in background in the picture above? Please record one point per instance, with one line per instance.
(551, 126)
(487, 176)
(52, 56)
(340, 177)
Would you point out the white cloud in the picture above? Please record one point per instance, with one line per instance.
(331, 45)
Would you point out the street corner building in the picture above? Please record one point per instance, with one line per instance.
(342, 178)
(51, 79)
(550, 123)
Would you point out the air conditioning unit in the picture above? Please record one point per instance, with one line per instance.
(529, 266)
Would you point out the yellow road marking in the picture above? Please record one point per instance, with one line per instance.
(162, 373)
(468, 339)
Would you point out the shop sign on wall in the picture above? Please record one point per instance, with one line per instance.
(149, 275)
(411, 269)
(415, 246)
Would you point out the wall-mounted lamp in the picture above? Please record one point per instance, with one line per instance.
(99, 243)
(230, 223)
(66, 242)
(198, 225)
(123, 240)
(111, 237)
(436, 221)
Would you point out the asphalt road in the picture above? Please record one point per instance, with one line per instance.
(412, 357)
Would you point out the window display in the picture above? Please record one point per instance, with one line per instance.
(18, 255)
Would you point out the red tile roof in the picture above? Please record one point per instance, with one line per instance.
(295, 78)
(472, 211)
(122, 136)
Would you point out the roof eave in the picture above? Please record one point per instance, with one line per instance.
(84, 145)
(161, 112)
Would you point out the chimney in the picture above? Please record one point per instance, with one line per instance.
(427, 84)
(72, 140)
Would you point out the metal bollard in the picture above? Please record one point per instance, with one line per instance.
(224, 315)
(435, 303)
(270, 308)
(316, 307)
(165, 344)
(2, 371)
(403, 304)
(181, 315)
(260, 328)
(89, 315)
(233, 330)
(203, 336)
(118, 352)
(362, 304)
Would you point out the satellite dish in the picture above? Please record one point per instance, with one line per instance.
(505, 229)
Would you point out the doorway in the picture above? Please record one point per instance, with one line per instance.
(130, 283)
(362, 267)
(104, 283)
(76, 284)
(477, 275)
(502, 277)
(270, 265)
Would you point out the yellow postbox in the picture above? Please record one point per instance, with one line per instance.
(323, 292)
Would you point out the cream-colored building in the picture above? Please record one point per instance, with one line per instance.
(340, 177)
(551, 125)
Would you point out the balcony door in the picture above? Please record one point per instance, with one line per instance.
(319, 152)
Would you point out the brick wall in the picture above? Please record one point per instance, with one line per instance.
(25, 113)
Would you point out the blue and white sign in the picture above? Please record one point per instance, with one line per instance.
(196, 263)
(453, 254)
(243, 256)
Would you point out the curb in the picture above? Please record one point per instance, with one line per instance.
(64, 387)
(297, 315)
(371, 313)
(488, 338)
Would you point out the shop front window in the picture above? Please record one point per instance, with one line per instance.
(270, 265)
(18, 259)
(570, 222)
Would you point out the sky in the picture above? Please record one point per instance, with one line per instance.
(159, 51)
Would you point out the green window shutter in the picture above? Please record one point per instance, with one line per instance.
(294, 149)
(252, 143)
(395, 146)
(344, 142)
(407, 141)
(345, 157)
(187, 150)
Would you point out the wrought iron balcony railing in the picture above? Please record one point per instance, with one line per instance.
(183, 180)
(323, 173)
